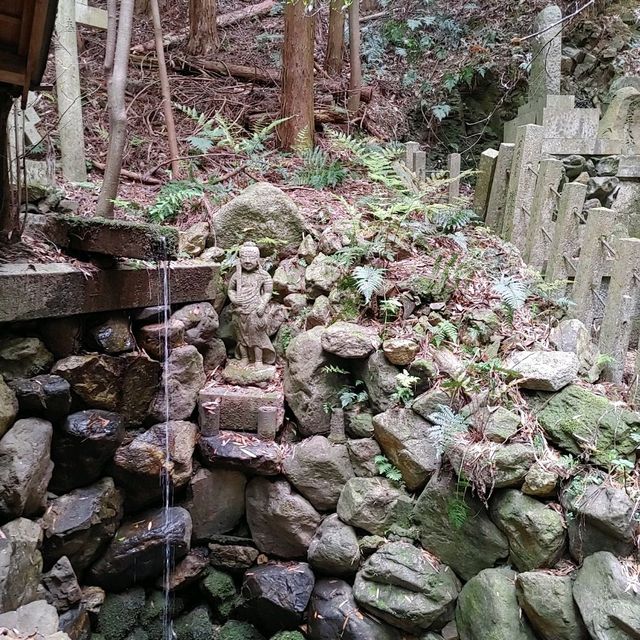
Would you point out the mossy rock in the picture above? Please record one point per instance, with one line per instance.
(288, 635)
(151, 617)
(138, 634)
(195, 625)
(577, 420)
(120, 613)
(235, 630)
(221, 592)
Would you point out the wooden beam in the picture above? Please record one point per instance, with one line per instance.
(12, 68)
(36, 44)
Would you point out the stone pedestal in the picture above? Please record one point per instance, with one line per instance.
(238, 408)
(243, 375)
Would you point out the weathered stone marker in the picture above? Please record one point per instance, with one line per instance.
(486, 168)
(410, 150)
(547, 54)
(522, 182)
(420, 164)
(453, 165)
(494, 218)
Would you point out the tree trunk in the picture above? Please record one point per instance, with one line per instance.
(8, 213)
(335, 39)
(203, 33)
(297, 77)
(117, 112)
(355, 75)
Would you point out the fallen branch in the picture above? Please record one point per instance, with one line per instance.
(373, 16)
(225, 20)
(132, 175)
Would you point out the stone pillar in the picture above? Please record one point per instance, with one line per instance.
(267, 423)
(486, 169)
(420, 164)
(453, 164)
(494, 218)
(544, 205)
(566, 234)
(337, 427)
(68, 92)
(522, 182)
(410, 150)
(621, 306)
(546, 54)
(209, 418)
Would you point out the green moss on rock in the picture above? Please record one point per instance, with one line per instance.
(221, 592)
(235, 630)
(195, 625)
(120, 613)
(288, 635)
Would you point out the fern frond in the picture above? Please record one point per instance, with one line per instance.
(445, 331)
(513, 293)
(172, 197)
(369, 281)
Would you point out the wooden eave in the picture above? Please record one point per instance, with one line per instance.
(26, 27)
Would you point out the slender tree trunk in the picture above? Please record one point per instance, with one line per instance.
(112, 33)
(166, 91)
(297, 77)
(335, 40)
(9, 223)
(355, 75)
(117, 112)
(203, 33)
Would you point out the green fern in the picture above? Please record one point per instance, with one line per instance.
(369, 281)
(458, 512)
(450, 218)
(333, 368)
(319, 170)
(445, 331)
(445, 425)
(172, 197)
(512, 292)
(388, 469)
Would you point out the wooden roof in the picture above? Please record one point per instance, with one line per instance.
(25, 34)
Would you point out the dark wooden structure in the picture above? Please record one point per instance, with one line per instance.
(26, 27)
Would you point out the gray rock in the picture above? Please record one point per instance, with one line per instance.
(281, 521)
(425, 371)
(574, 165)
(76, 623)
(216, 501)
(62, 336)
(61, 586)
(401, 585)
(232, 557)
(601, 187)
(548, 603)
(80, 523)
(488, 608)
(359, 423)
(42, 396)
(151, 337)
(579, 421)
(288, 278)
(214, 355)
(295, 302)
(540, 482)
(607, 166)
(307, 385)
(379, 378)
(308, 248)
(374, 504)
(113, 334)
(427, 403)
(83, 446)
(535, 532)
(23, 358)
(8, 407)
(362, 453)
(350, 340)
(37, 617)
(544, 370)
(194, 240)
(25, 467)
(320, 314)
(572, 336)
(319, 470)
(260, 211)
(333, 614)
(456, 528)
(200, 322)
(408, 441)
(20, 563)
(186, 572)
(400, 351)
(136, 553)
(92, 600)
(138, 465)
(497, 424)
(492, 465)
(183, 376)
(322, 275)
(609, 606)
(334, 548)
(600, 518)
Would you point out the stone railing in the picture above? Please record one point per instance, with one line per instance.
(416, 161)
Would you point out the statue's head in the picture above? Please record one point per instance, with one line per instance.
(249, 255)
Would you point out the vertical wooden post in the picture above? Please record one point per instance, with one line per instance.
(355, 73)
(453, 164)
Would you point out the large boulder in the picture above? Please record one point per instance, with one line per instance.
(319, 469)
(275, 595)
(8, 407)
(350, 340)
(43, 396)
(261, 211)
(408, 441)
(579, 421)
(547, 601)
(137, 552)
(138, 465)
(488, 608)
(216, 501)
(82, 446)
(37, 619)
(20, 563)
(544, 370)
(456, 528)
(402, 585)
(333, 614)
(23, 357)
(25, 467)
(334, 548)
(281, 521)
(200, 323)
(609, 605)
(242, 451)
(379, 378)
(308, 386)
(601, 518)
(536, 533)
(80, 523)
(374, 504)
(183, 376)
